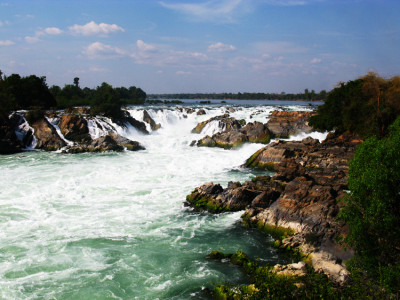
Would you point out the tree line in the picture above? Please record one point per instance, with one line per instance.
(307, 96)
(32, 92)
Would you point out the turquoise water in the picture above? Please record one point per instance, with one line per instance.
(113, 225)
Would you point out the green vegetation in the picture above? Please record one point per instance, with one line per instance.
(267, 283)
(18, 92)
(370, 107)
(32, 92)
(307, 96)
(372, 210)
(365, 106)
(164, 102)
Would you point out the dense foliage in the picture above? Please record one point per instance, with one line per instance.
(366, 106)
(307, 95)
(73, 95)
(32, 92)
(372, 210)
(266, 283)
(18, 92)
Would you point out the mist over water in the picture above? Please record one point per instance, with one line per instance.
(113, 225)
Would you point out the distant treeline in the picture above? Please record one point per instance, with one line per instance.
(32, 92)
(307, 95)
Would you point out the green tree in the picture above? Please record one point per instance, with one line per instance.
(106, 101)
(372, 210)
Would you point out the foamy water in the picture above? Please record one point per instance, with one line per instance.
(113, 225)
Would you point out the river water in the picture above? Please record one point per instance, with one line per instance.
(113, 225)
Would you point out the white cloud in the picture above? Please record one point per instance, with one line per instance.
(183, 73)
(315, 60)
(291, 2)
(98, 50)
(32, 39)
(161, 55)
(53, 30)
(142, 46)
(209, 10)
(279, 47)
(6, 43)
(220, 47)
(93, 28)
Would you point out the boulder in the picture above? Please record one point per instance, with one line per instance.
(9, 143)
(201, 112)
(257, 133)
(74, 128)
(47, 137)
(149, 120)
(226, 123)
(286, 123)
(127, 143)
(128, 119)
(226, 140)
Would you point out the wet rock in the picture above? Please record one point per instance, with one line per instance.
(78, 110)
(74, 128)
(226, 139)
(149, 120)
(257, 133)
(47, 137)
(128, 119)
(303, 196)
(9, 143)
(201, 112)
(227, 123)
(127, 143)
(286, 123)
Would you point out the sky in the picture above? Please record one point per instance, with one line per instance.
(203, 46)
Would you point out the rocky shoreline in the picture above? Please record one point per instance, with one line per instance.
(302, 195)
(70, 131)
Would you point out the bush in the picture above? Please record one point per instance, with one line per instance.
(372, 210)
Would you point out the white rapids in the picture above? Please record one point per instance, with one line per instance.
(113, 225)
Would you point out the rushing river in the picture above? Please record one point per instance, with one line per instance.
(113, 225)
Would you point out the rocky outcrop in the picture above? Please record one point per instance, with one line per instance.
(69, 132)
(9, 143)
(75, 128)
(126, 143)
(149, 120)
(78, 110)
(226, 139)
(127, 119)
(283, 124)
(253, 133)
(303, 195)
(47, 137)
(201, 112)
(226, 123)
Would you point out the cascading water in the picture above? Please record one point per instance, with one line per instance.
(113, 225)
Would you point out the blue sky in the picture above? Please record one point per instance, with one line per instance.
(201, 46)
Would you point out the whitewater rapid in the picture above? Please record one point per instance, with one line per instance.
(113, 225)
